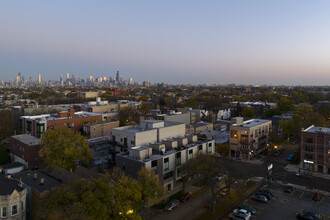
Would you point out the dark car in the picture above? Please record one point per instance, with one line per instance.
(259, 198)
(266, 194)
(317, 196)
(307, 214)
(282, 149)
(248, 208)
(172, 205)
(185, 197)
(276, 153)
(288, 188)
(268, 191)
(290, 157)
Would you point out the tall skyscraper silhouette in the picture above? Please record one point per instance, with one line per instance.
(117, 77)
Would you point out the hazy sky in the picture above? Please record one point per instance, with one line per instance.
(174, 41)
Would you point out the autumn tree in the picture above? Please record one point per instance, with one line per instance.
(127, 115)
(145, 107)
(61, 147)
(222, 148)
(149, 185)
(115, 196)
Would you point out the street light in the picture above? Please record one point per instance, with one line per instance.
(275, 147)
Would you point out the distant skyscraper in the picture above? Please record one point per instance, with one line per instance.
(117, 77)
(39, 78)
(67, 76)
(61, 80)
(130, 81)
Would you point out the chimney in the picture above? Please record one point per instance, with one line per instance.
(42, 181)
(35, 176)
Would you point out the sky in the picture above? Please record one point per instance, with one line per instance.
(277, 42)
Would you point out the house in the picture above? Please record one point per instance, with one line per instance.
(12, 199)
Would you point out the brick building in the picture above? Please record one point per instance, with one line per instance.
(36, 125)
(315, 149)
(24, 148)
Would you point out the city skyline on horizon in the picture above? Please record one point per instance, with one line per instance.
(248, 43)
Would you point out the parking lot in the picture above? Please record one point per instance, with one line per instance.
(285, 205)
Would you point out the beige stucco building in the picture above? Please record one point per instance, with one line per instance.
(247, 138)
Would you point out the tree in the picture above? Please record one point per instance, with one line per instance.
(150, 187)
(287, 127)
(145, 107)
(61, 147)
(286, 104)
(248, 112)
(114, 196)
(222, 148)
(127, 115)
(269, 113)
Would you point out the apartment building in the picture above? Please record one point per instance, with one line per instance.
(149, 131)
(165, 157)
(247, 138)
(24, 148)
(315, 149)
(99, 129)
(36, 125)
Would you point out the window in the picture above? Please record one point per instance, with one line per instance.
(309, 140)
(72, 125)
(3, 212)
(14, 210)
(200, 147)
(178, 159)
(168, 175)
(309, 148)
(166, 164)
(266, 129)
(256, 133)
(132, 142)
(22, 205)
(233, 133)
(154, 164)
(94, 128)
(190, 155)
(308, 157)
(320, 147)
(210, 147)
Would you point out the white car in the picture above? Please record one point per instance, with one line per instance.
(240, 214)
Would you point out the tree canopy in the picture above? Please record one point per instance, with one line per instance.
(61, 147)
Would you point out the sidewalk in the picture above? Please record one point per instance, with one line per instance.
(295, 169)
(304, 188)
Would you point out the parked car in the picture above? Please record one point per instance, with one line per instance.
(317, 196)
(290, 157)
(185, 197)
(217, 155)
(266, 194)
(259, 198)
(240, 214)
(282, 149)
(172, 205)
(248, 208)
(305, 175)
(288, 188)
(268, 191)
(307, 214)
(276, 153)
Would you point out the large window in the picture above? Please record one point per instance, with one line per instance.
(200, 147)
(14, 210)
(154, 164)
(178, 159)
(166, 164)
(3, 212)
(190, 154)
(22, 205)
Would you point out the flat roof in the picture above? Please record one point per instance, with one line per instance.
(7, 186)
(138, 128)
(49, 117)
(12, 165)
(252, 123)
(315, 129)
(27, 139)
(28, 178)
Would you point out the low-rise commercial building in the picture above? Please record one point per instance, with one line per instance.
(315, 149)
(247, 138)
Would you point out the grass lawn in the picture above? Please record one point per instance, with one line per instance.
(3, 154)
